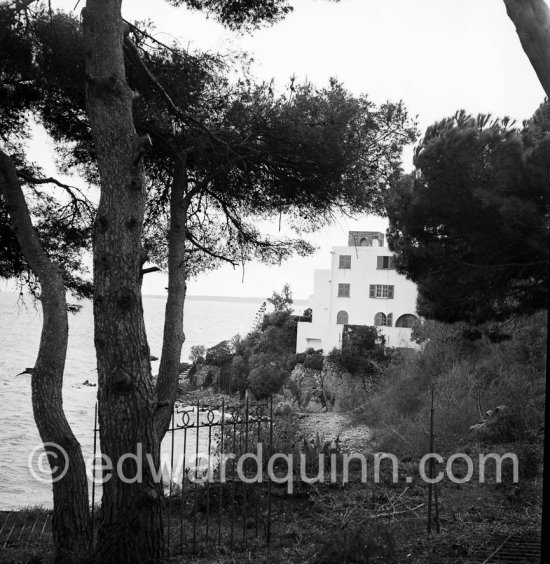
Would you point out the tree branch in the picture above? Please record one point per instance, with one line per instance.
(192, 239)
(532, 21)
(27, 177)
(149, 270)
(135, 57)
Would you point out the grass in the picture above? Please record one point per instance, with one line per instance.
(387, 522)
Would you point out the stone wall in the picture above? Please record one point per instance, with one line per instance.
(342, 391)
(329, 389)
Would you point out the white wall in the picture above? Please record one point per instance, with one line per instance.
(363, 272)
(320, 301)
(323, 332)
(318, 336)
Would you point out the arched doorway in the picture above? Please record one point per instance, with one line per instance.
(406, 320)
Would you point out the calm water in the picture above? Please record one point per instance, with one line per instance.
(207, 322)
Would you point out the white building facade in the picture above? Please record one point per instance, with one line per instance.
(361, 287)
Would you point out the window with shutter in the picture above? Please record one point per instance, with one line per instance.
(343, 290)
(389, 319)
(384, 263)
(344, 261)
(380, 319)
(381, 291)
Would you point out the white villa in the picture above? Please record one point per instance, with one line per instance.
(360, 288)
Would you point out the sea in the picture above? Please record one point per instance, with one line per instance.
(208, 320)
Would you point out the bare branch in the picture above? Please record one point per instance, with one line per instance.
(192, 239)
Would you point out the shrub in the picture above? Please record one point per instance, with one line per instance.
(264, 381)
(238, 370)
(300, 358)
(470, 378)
(209, 380)
(219, 354)
(314, 361)
(192, 374)
(362, 352)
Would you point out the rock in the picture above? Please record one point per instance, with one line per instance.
(330, 389)
(315, 406)
(282, 408)
(88, 383)
(350, 394)
(342, 391)
(152, 358)
(303, 385)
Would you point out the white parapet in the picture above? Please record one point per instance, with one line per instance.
(318, 336)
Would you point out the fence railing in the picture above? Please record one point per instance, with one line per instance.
(215, 495)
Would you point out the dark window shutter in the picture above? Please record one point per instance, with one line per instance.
(379, 262)
(390, 292)
(389, 319)
(345, 261)
(371, 291)
(392, 263)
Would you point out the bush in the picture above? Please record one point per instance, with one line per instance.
(264, 381)
(209, 380)
(238, 370)
(362, 352)
(219, 354)
(470, 378)
(300, 358)
(192, 374)
(314, 361)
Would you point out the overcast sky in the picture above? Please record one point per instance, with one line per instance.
(437, 56)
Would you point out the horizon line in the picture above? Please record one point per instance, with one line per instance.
(218, 297)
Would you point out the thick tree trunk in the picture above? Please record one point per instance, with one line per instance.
(532, 21)
(174, 336)
(71, 518)
(131, 528)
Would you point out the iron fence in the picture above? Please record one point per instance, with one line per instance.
(215, 495)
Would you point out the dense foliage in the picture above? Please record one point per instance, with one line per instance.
(62, 215)
(470, 225)
(363, 352)
(263, 359)
(470, 378)
(240, 151)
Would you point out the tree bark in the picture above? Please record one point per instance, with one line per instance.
(71, 516)
(174, 336)
(131, 528)
(532, 21)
